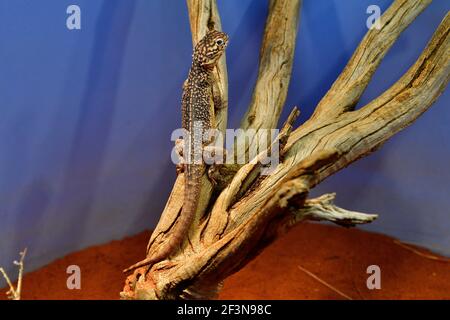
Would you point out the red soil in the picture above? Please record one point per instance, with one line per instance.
(337, 256)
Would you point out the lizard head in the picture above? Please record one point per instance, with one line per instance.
(210, 48)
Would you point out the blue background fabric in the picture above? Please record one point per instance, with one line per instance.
(86, 117)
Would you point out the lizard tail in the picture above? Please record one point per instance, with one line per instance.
(191, 198)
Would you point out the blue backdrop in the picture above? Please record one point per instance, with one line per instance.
(86, 117)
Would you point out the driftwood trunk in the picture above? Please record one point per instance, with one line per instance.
(246, 211)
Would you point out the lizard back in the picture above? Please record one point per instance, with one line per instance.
(197, 118)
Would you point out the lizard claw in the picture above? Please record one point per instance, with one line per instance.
(180, 168)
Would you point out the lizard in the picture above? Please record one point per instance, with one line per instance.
(197, 104)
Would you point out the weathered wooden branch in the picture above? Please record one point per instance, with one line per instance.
(252, 210)
(323, 209)
(275, 66)
(14, 293)
(351, 83)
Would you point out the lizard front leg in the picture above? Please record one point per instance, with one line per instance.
(216, 95)
(215, 157)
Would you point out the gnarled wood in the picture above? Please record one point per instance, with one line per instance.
(252, 210)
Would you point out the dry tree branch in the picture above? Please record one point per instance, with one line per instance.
(15, 293)
(252, 210)
(12, 291)
(323, 209)
(360, 132)
(357, 133)
(275, 65)
(351, 83)
(274, 75)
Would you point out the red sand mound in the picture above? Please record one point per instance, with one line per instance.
(336, 256)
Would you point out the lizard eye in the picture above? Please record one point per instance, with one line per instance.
(219, 42)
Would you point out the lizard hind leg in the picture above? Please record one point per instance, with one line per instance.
(214, 156)
(179, 150)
